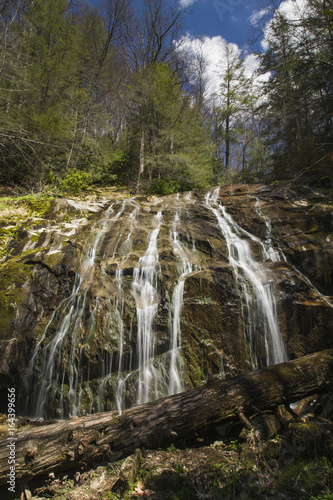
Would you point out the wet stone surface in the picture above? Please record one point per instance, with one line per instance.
(110, 302)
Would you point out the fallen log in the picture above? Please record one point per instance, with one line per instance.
(79, 441)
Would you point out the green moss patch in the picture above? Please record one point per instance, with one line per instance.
(20, 207)
(304, 479)
(13, 275)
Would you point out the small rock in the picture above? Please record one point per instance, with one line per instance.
(216, 444)
(4, 430)
(128, 471)
(26, 495)
(152, 199)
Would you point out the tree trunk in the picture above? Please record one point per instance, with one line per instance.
(227, 127)
(71, 443)
(142, 157)
(227, 142)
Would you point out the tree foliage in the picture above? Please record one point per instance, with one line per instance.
(107, 92)
(169, 133)
(299, 93)
(97, 91)
(237, 122)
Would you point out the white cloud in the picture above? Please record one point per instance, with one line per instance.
(258, 15)
(186, 3)
(251, 65)
(214, 50)
(292, 10)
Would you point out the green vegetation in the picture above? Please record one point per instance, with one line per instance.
(29, 205)
(104, 96)
(111, 496)
(12, 278)
(306, 478)
(72, 113)
(74, 183)
(14, 212)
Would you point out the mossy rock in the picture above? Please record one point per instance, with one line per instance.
(38, 205)
(311, 439)
(164, 480)
(271, 451)
(13, 275)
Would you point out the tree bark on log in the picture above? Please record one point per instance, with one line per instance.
(79, 441)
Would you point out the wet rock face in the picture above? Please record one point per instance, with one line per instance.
(109, 307)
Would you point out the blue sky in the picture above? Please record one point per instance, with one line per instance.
(211, 24)
(226, 18)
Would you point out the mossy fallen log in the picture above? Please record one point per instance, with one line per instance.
(79, 441)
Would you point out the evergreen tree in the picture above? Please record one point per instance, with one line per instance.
(40, 84)
(77, 92)
(168, 134)
(299, 92)
(231, 109)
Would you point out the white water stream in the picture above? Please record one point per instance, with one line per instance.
(275, 255)
(116, 320)
(147, 299)
(257, 290)
(271, 253)
(68, 318)
(185, 267)
(131, 368)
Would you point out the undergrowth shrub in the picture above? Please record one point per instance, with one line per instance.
(74, 183)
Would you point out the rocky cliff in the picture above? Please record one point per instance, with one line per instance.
(112, 302)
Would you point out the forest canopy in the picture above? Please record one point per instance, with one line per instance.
(111, 95)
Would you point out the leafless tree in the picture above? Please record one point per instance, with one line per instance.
(151, 33)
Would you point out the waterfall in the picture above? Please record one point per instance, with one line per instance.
(175, 382)
(116, 316)
(270, 252)
(59, 352)
(66, 322)
(120, 313)
(275, 255)
(258, 292)
(116, 340)
(147, 299)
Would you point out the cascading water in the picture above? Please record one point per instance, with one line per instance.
(272, 253)
(258, 293)
(116, 341)
(120, 314)
(146, 297)
(59, 351)
(175, 381)
(67, 322)
(275, 255)
(116, 316)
